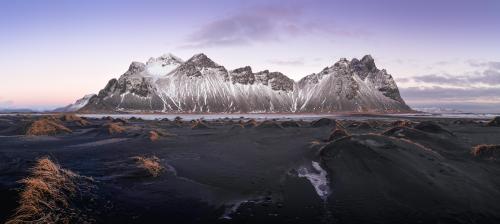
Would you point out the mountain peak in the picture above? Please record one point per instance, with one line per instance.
(201, 60)
(200, 56)
(343, 62)
(136, 67)
(163, 65)
(167, 58)
(369, 62)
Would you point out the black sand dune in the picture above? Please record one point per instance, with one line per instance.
(381, 179)
(263, 171)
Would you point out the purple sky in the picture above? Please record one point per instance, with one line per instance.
(442, 52)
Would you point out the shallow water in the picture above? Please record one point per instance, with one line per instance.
(306, 117)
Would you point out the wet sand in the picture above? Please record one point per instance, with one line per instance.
(235, 171)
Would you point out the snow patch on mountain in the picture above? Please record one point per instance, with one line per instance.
(162, 65)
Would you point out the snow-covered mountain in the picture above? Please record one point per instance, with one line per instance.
(76, 105)
(199, 85)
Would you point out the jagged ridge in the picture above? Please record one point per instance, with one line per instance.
(203, 86)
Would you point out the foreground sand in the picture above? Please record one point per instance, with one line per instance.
(374, 170)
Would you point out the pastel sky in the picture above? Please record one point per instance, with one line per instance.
(442, 53)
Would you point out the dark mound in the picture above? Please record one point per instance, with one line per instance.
(47, 126)
(199, 124)
(135, 119)
(486, 151)
(364, 125)
(404, 132)
(250, 123)
(495, 122)
(431, 127)
(440, 142)
(119, 120)
(338, 133)
(178, 119)
(12, 126)
(379, 179)
(360, 125)
(463, 122)
(5, 123)
(269, 124)
(107, 118)
(324, 122)
(165, 119)
(290, 124)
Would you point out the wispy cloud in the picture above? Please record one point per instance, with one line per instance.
(262, 24)
(449, 93)
(495, 65)
(289, 62)
(487, 77)
(479, 87)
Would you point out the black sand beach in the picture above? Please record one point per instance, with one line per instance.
(238, 170)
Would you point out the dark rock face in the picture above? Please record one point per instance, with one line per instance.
(276, 80)
(364, 67)
(201, 85)
(243, 75)
(198, 62)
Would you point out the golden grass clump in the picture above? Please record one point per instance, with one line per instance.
(114, 128)
(402, 123)
(46, 126)
(237, 126)
(250, 123)
(153, 136)
(199, 124)
(486, 151)
(150, 164)
(73, 118)
(315, 143)
(46, 195)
